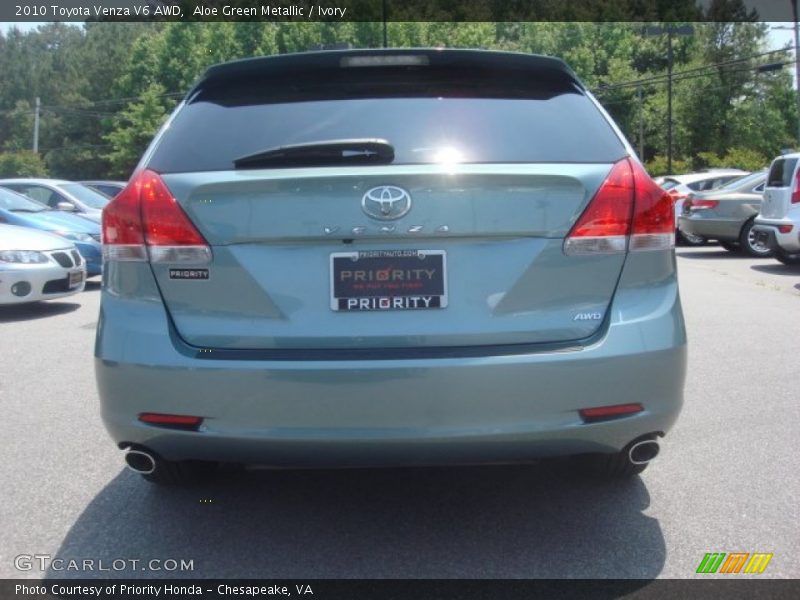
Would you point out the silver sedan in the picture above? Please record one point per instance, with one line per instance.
(727, 214)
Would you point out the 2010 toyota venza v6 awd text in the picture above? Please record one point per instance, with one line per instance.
(397, 257)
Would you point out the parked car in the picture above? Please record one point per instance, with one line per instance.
(107, 188)
(463, 262)
(680, 186)
(35, 266)
(778, 223)
(61, 195)
(16, 209)
(727, 214)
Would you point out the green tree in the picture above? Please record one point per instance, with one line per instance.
(133, 129)
(22, 163)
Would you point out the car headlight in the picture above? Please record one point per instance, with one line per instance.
(27, 257)
(76, 237)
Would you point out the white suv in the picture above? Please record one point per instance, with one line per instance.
(778, 223)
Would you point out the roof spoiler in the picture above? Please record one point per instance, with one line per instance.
(398, 57)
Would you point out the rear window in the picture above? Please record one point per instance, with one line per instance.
(668, 184)
(696, 185)
(780, 173)
(448, 117)
(744, 181)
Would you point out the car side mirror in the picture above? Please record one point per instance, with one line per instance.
(65, 206)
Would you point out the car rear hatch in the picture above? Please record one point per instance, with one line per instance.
(782, 185)
(457, 239)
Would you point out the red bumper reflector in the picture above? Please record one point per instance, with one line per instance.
(606, 412)
(785, 228)
(179, 420)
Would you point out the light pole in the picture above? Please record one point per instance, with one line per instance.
(36, 111)
(670, 30)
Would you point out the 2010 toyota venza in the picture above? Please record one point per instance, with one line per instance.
(401, 257)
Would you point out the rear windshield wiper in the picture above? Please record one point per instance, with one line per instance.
(322, 153)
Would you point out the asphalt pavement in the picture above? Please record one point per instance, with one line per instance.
(726, 480)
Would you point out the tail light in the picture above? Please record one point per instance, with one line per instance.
(145, 222)
(177, 421)
(796, 191)
(694, 204)
(602, 413)
(676, 195)
(629, 211)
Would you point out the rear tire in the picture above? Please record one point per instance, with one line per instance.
(611, 466)
(731, 246)
(689, 239)
(748, 243)
(786, 258)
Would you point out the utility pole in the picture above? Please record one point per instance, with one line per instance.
(670, 30)
(796, 62)
(385, 36)
(669, 99)
(36, 125)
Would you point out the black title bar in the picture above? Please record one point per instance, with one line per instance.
(395, 10)
(730, 588)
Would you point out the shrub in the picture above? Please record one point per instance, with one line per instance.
(22, 163)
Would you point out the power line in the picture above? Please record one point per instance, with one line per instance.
(78, 113)
(84, 106)
(729, 85)
(677, 74)
(74, 147)
(698, 75)
(115, 100)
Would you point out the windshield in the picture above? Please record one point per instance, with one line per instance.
(12, 201)
(88, 196)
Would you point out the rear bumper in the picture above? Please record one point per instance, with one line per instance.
(710, 227)
(788, 242)
(481, 409)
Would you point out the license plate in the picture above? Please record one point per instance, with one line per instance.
(388, 280)
(75, 278)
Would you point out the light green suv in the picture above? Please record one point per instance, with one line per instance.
(394, 257)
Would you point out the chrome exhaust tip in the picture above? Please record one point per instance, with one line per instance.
(643, 452)
(140, 461)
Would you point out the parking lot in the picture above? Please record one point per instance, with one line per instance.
(725, 482)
